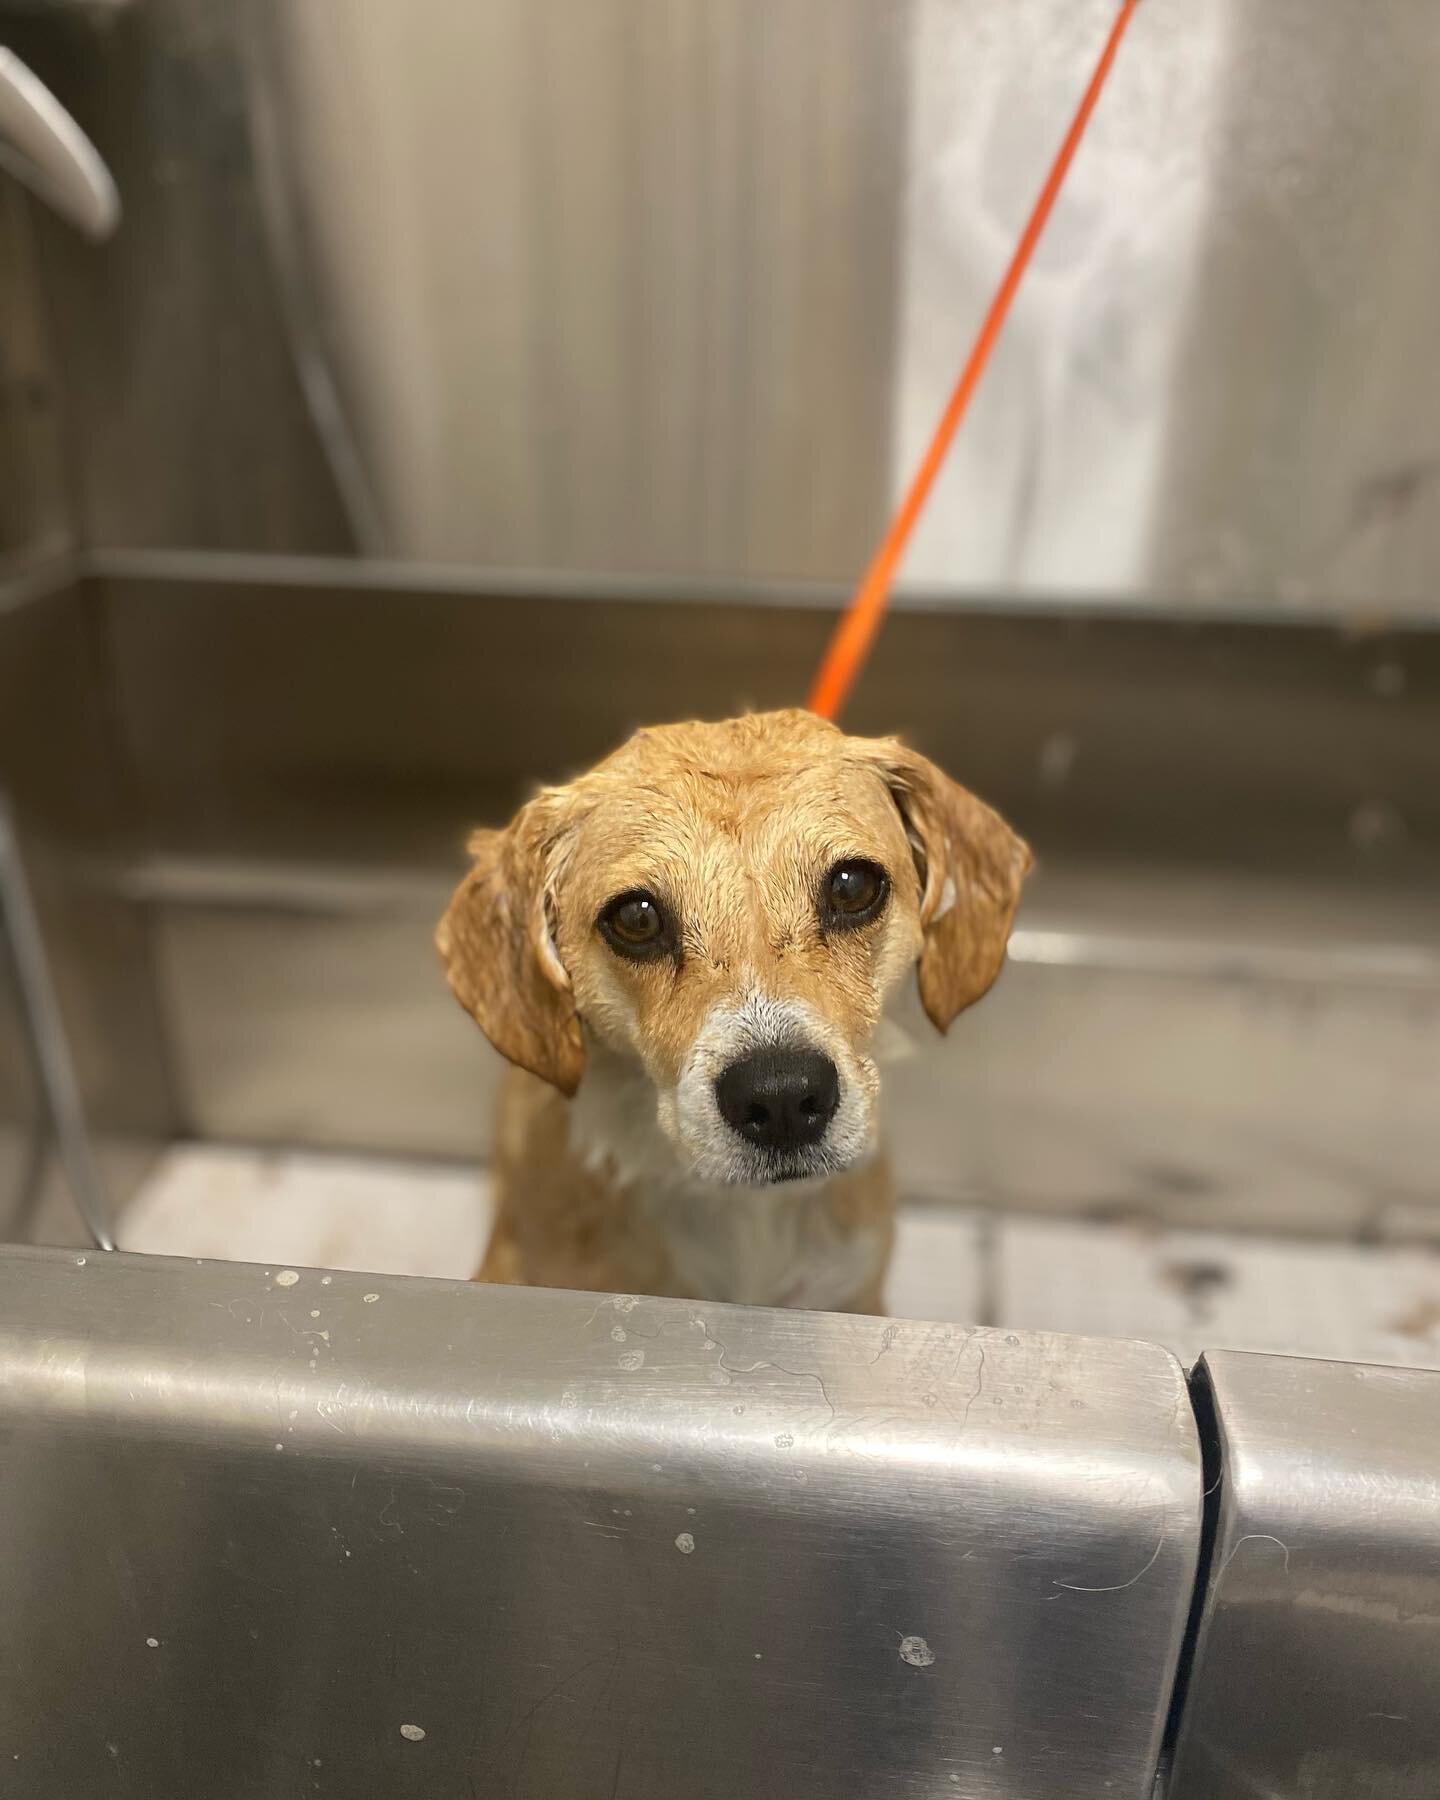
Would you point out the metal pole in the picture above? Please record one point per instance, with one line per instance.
(48, 1038)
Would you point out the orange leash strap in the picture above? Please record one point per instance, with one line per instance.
(861, 620)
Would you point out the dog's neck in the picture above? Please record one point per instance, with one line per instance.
(768, 1246)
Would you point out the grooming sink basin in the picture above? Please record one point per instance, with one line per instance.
(272, 1531)
(267, 1530)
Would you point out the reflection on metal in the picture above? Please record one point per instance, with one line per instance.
(47, 1030)
(617, 294)
(42, 146)
(186, 422)
(24, 1122)
(1203, 745)
(1317, 1667)
(274, 193)
(322, 890)
(600, 288)
(388, 1535)
(35, 497)
(617, 289)
(75, 817)
(563, 1545)
(1221, 959)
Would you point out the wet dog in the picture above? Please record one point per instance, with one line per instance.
(686, 954)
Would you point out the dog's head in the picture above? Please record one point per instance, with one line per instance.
(727, 907)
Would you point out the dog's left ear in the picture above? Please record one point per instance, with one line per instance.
(496, 942)
(971, 867)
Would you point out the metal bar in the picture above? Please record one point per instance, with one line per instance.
(48, 1038)
(42, 146)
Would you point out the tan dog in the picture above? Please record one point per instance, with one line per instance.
(686, 953)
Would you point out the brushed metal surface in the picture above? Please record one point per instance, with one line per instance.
(1317, 1668)
(1236, 1079)
(614, 287)
(74, 821)
(35, 521)
(1214, 383)
(188, 422)
(633, 270)
(1303, 458)
(50, 1041)
(24, 1126)
(270, 1531)
(1260, 743)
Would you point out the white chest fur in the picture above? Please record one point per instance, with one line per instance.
(763, 1246)
(771, 1246)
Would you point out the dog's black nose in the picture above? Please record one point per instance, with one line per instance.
(779, 1099)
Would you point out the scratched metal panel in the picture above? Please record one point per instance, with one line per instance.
(268, 1531)
(1317, 1670)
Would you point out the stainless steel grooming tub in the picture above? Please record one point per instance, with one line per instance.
(281, 1532)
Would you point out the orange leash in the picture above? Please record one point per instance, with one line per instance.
(861, 620)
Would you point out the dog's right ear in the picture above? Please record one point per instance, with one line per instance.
(498, 948)
(971, 867)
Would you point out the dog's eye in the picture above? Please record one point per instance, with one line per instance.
(635, 925)
(855, 891)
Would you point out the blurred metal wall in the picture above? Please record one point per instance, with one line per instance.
(33, 526)
(64, 795)
(75, 828)
(1304, 463)
(187, 423)
(35, 523)
(604, 286)
(601, 285)
(1219, 383)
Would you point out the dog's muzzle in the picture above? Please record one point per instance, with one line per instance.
(780, 1101)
